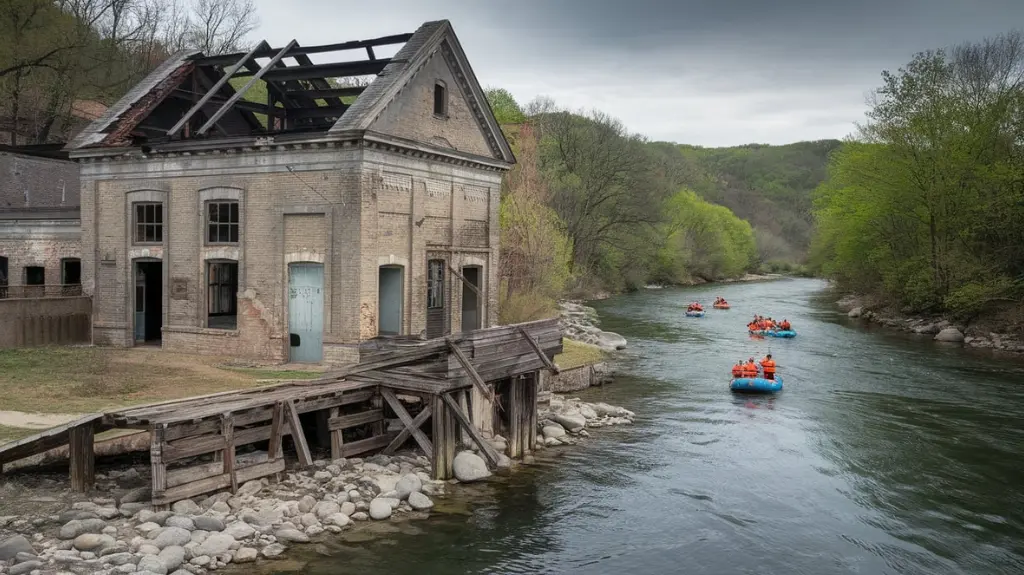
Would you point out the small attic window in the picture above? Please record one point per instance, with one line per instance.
(440, 99)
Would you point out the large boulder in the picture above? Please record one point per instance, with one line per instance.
(380, 508)
(573, 421)
(951, 335)
(215, 544)
(409, 483)
(469, 467)
(419, 501)
(610, 341)
(10, 547)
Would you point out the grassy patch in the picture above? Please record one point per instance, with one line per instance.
(575, 354)
(86, 379)
(14, 433)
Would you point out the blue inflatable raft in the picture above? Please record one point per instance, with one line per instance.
(756, 385)
(774, 333)
(695, 314)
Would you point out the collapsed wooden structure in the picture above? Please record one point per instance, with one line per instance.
(467, 386)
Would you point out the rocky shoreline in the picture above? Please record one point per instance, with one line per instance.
(941, 329)
(580, 323)
(117, 531)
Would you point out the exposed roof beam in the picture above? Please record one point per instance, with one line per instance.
(268, 52)
(254, 107)
(238, 95)
(357, 68)
(318, 83)
(320, 112)
(216, 88)
(330, 93)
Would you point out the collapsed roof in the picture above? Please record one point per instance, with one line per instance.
(270, 91)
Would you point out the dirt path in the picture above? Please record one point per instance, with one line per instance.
(35, 420)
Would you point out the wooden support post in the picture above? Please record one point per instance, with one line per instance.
(337, 440)
(404, 435)
(533, 392)
(323, 429)
(486, 448)
(156, 462)
(464, 407)
(227, 430)
(515, 419)
(444, 438)
(275, 450)
(83, 458)
(298, 435)
(468, 366)
(408, 421)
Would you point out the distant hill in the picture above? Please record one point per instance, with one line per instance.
(769, 186)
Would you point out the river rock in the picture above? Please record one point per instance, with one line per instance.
(185, 523)
(152, 564)
(245, 555)
(348, 508)
(469, 467)
(215, 544)
(380, 508)
(307, 503)
(950, 334)
(172, 557)
(273, 550)
(610, 341)
(10, 547)
(419, 501)
(118, 558)
(291, 536)
(158, 517)
(207, 523)
(855, 312)
(77, 527)
(148, 549)
(409, 483)
(25, 568)
(186, 507)
(572, 421)
(552, 431)
(325, 509)
(92, 541)
(239, 530)
(339, 519)
(250, 488)
(172, 536)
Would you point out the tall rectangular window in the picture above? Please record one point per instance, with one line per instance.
(435, 284)
(222, 222)
(149, 223)
(222, 295)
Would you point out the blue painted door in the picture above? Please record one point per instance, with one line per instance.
(389, 300)
(306, 312)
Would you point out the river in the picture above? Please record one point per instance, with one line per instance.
(884, 454)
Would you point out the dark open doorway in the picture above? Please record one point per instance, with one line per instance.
(149, 300)
(470, 298)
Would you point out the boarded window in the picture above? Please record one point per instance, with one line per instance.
(435, 284)
(440, 99)
(149, 223)
(222, 222)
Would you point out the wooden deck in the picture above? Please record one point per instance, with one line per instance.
(465, 385)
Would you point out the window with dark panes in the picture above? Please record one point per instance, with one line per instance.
(149, 223)
(35, 275)
(435, 284)
(440, 99)
(71, 271)
(222, 297)
(222, 222)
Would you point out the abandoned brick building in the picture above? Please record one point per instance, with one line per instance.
(265, 206)
(40, 231)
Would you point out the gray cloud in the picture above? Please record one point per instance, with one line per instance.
(718, 72)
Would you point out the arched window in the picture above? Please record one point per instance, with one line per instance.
(440, 99)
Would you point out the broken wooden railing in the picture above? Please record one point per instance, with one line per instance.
(467, 385)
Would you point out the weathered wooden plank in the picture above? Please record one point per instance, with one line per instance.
(363, 445)
(298, 436)
(347, 421)
(275, 449)
(46, 440)
(183, 475)
(337, 439)
(486, 448)
(228, 431)
(540, 353)
(399, 409)
(473, 375)
(405, 434)
(192, 446)
(217, 482)
(82, 457)
(444, 440)
(157, 466)
(463, 396)
(515, 421)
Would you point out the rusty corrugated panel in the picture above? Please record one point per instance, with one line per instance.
(121, 134)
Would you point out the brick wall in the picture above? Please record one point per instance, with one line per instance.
(44, 243)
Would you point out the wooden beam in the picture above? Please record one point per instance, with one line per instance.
(213, 91)
(540, 353)
(318, 112)
(338, 70)
(83, 457)
(404, 435)
(410, 424)
(486, 448)
(337, 439)
(466, 282)
(239, 93)
(468, 366)
(254, 107)
(226, 59)
(227, 427)
(274, 450)
(328, 93)
(298, 436)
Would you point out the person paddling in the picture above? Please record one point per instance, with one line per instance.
(768, 365)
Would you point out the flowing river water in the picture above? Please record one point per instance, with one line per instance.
(885, 453)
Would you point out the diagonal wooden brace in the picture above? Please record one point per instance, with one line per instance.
(466, 365)
(403, 435)
(536, 347)
(409, 423)
(486, 448)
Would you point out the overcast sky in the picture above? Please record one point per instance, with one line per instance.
(704, 72)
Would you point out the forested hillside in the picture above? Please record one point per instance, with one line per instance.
(925, 208)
